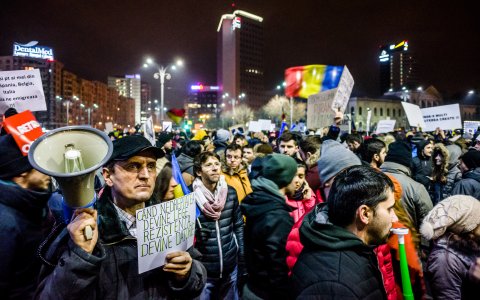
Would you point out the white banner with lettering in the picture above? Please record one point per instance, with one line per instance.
(21, 90)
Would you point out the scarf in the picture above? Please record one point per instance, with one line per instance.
(210, 203)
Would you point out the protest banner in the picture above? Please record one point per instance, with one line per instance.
(385, 126)
(254, 126)
(24, 128)
(445, 117)
(414, 115)
(167, 126)
(21, 90)
(319, 109)
(164, 228)
(344, 91)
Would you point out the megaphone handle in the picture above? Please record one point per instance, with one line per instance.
(88, 232)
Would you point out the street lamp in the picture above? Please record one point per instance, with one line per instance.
(162, 74)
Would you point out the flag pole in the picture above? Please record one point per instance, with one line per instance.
(405, 274)
(291, 111)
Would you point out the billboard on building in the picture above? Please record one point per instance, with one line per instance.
(32, 50)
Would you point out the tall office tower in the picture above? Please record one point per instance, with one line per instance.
(146, 100)
(202, 103)
(240, 71)
(128, 86)
(397, 68)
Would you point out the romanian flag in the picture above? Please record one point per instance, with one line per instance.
(181, 189)
(309, 80)
(176, 115)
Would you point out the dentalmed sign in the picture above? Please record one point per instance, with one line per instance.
(32, 50)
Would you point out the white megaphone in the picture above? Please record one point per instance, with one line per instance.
(71, 155)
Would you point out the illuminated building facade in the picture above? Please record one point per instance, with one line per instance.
(202, 103)
(397, 68)
(240, 68)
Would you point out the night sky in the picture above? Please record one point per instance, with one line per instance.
(95, 39)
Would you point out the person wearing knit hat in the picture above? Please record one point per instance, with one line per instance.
(268, 223)
(454, 227)
(334, 158)
(470, 168)
(220, 141)
(24, 221)
(415, 197)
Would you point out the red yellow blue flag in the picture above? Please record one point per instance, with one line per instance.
(308, 80)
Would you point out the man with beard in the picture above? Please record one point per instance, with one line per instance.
(338, 238)
(268, 224)
(374, 152)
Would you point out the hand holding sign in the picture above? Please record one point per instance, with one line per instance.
(178, 263)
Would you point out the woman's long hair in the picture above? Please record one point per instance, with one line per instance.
(439, 172)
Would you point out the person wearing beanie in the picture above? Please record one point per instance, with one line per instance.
(221, 141)
(334, 158)
(454, 227)
(25, 220)
(470, 168)
(268, 223)
(164, 142)
(415, 197)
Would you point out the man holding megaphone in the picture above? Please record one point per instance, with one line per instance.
(106, 266)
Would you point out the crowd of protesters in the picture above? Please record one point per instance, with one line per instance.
(282, 216)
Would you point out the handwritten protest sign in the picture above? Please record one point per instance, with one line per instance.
(21, 90)
(385, 126)
(319, 109)
(445, 117)
(414, 115)
(265, 124)
(344, 90)
(471, 126)
(164, 228)
(254, 126)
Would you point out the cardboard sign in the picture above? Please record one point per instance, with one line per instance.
(21, 90)
(319, 109)
(414, 115)
(385, 126)
(344, 90)
(24, 128)
(164, 228)
(445, 117)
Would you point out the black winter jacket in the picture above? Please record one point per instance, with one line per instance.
(267, 226)
(422, 169)
(469, 184)
(185, 163)
(227, 232)
(24, 224)
(334, 263)
(111, 271)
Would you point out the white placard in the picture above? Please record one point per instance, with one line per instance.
(385, 126)
(148, 131)
(108, 127)
(319, 109)
(167, 126)
(254, 126)
(265, 124)
(471, 126)
(344, 90)
(414, 115)
(164, 228)
(21, 90)
(446, 117)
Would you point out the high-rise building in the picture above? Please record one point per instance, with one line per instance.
(202, 103)
(129, 86)
(397, 68)
(240, 69)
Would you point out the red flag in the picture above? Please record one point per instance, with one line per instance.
(176, 114)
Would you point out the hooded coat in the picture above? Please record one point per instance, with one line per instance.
(268, 223)
(469, 184)
(335, 263)
(454, 174)
(24, 224)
